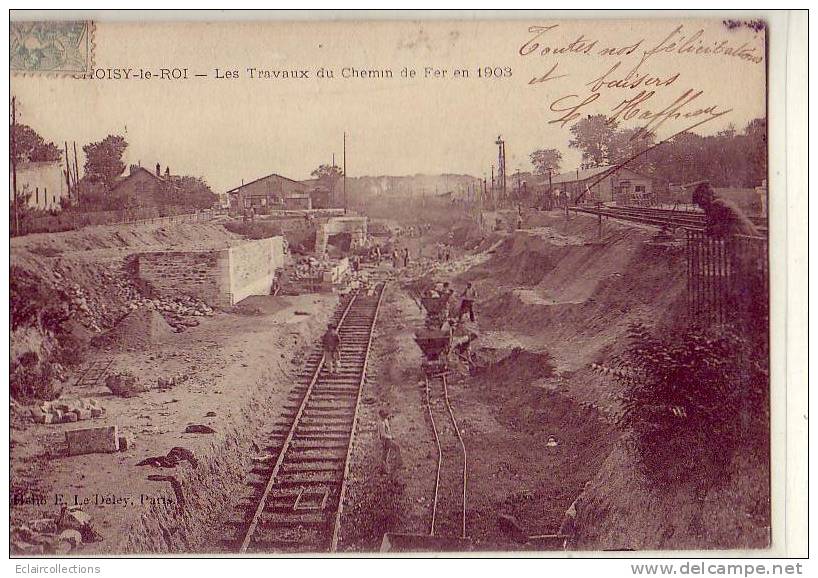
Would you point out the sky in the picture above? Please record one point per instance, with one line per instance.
(231, 129)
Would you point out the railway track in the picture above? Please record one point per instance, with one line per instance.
(449, 500)
(693, 220)
(299, 507)
(95, 373)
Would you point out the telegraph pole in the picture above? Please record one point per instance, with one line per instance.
(550, 190)
(345, 173)
(501, 165)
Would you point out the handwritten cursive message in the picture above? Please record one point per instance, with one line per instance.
(632, 87)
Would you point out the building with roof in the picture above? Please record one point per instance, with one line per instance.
(270, 192)
(143, 188)
(44, 182)
(621, 185)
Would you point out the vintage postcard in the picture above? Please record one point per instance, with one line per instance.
(433, 286)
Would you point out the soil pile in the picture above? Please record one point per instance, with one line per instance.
(512, 386)
(518, 367)
(137, 330)
(538, 455)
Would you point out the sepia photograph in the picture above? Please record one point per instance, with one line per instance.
(390, 287)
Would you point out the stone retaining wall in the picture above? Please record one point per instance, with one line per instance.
(220, 277)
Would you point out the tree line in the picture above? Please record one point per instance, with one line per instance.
(728, 158)
(103, 170)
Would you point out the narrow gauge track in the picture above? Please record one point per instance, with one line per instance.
(299, 508)
(692, 220)
(95, 372)
(449, 501)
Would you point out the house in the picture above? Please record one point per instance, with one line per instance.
(267, 192)
(43, 182)
(621, 185)
(143, 188)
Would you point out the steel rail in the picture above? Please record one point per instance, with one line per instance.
(271, 481)
(439, 457)
(643, 219)
(691, 220)
(462, 445)
(337, 527)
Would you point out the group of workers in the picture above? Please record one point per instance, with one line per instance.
(467, 299)
(399, 257)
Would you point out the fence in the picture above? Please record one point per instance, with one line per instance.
(727, 278)
(71, 220)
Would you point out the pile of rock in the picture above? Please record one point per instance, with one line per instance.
(66, 411)
(172, 381)
(98, 310)
(180, 313)
(125, 384)
(52, 536)
(81, 306)
(310, 267)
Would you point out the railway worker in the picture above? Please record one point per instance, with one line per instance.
(406, 256)
(724, 218)
(332, 348)
(388, 444)
(467, 302)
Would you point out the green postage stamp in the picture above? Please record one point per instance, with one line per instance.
(51, 47)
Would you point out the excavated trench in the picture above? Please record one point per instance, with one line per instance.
(538, 423)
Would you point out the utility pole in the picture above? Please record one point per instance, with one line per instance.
(492, 188)
(76, 169)
(14, 162)
(501, 165)
(69, 174)
(550, 190)
(345, 173)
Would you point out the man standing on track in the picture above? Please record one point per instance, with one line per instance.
(332, 349)
(388, 443)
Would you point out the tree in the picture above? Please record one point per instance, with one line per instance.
(30, 146)
(328, 176)
(628, 146)
(546, 161)
(592, 135)
(190, 191)
(103, 160)
(756, 150)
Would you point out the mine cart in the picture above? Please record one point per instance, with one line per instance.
(437, 310)
(435, 345)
